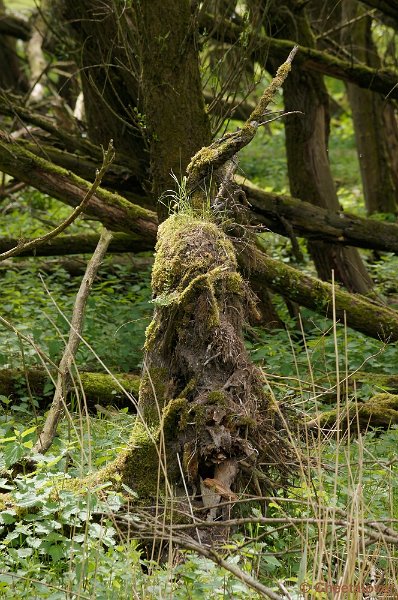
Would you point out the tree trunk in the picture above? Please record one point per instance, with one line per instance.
(173, 102)
(368, 113)
(308, 163)
(201, 399)
(104, 49)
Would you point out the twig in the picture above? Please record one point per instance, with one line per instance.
(108, 157)
(64, 375)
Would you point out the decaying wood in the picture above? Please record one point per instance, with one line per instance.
(200, 396)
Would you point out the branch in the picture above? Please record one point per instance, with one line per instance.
(379, 80)
(114, 211)
(210, 158)
(316, 223)
(65, 367)
(371, 319)
(108, 156)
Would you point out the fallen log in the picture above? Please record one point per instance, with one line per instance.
(114, 211)
(75, 266)
(97, 387)
(315, 223)
(82, 243)
(361, 314)
(379, 411)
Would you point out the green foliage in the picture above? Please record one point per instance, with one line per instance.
(118, 311)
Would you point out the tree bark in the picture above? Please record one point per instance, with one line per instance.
(310, 176)
(173, 103)
(372, 143)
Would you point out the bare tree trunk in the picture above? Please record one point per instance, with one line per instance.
(371, 114)
(310, 176)
(103, 47)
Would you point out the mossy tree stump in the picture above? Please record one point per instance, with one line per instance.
(201, 399)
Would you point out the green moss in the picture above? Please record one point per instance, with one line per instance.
(217, 397)
(136, 466)
(152, 395)
(177, 261)
(175, 417)
(380, 411)
(101, 386)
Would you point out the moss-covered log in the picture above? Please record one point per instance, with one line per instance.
(82, 243)
(316, 223)
(379, 80)
(379, 411)
(371, 319)
(114, 211)
(97, 387)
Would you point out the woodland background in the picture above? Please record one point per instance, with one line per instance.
(319, 203)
